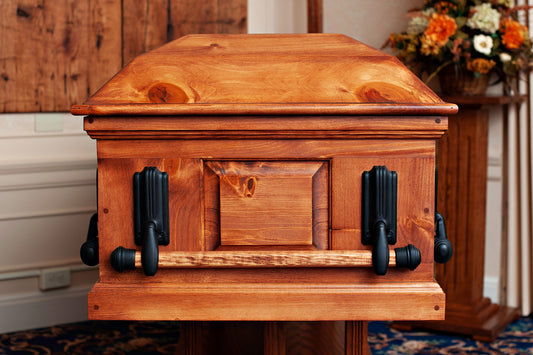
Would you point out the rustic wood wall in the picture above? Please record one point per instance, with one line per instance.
(55, 53)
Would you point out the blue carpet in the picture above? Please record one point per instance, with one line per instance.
(516, 339)
(117, 337)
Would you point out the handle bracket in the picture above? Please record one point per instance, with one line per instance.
(379, 214)
(150, 218)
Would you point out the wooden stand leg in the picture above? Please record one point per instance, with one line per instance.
(273, 338)
(357, 338)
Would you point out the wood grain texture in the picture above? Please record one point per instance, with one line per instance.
(261, 70)
(355, 331)
(315, 338)
(266, 259)
(275, 338)
(54, 53)
(260, 203)
(58, 53)
(278, 302)
(147, 24)
(265, 127)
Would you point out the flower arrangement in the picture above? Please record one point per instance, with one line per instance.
(479, 35)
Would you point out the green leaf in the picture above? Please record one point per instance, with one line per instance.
(460, 21)
(461, 34)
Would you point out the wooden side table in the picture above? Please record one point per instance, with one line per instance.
(462, 166)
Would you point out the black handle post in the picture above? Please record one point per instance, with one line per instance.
(150, 251)
(380, 251)
(443, 249)
(89, 250)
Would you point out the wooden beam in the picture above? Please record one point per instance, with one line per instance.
(314, 16)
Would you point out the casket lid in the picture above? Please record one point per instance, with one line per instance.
(313, 74)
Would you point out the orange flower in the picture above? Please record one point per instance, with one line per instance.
(513, 33)
(428, 46)
(440, 28)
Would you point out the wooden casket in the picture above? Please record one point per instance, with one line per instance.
(266, 178)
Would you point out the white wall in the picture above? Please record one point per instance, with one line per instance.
(277, 16)
(47, 189)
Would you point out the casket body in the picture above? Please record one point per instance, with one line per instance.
(265, 141)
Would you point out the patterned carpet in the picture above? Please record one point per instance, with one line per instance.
(98, 337)
(517, 338)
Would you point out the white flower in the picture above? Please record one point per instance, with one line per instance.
(505, 57)
(483, 44)
(417, 25)
(485, 18)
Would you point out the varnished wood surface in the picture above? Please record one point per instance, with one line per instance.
(119, 160)
(57, 53)
(258, 74)
(291, 301)
(327, 108)
(266, 127)
(272, 338)
(266, 259)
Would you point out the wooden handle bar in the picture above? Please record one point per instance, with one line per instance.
(265, 259)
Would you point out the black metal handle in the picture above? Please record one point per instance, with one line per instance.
(151, 224)
(443, 249)
(380, 250)
(150, 251)
(408, 257)
(123, 259)
(89, 249)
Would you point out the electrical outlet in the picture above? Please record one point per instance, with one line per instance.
(54, 278)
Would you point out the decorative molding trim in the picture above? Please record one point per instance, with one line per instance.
(47, 166)
(49, 185)
(15, 274)
(36, 310)
(53, 213)
(43, 134)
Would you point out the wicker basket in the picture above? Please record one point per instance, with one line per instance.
(456, 80)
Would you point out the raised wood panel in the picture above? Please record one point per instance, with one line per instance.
(271, 203)
(57, 53)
